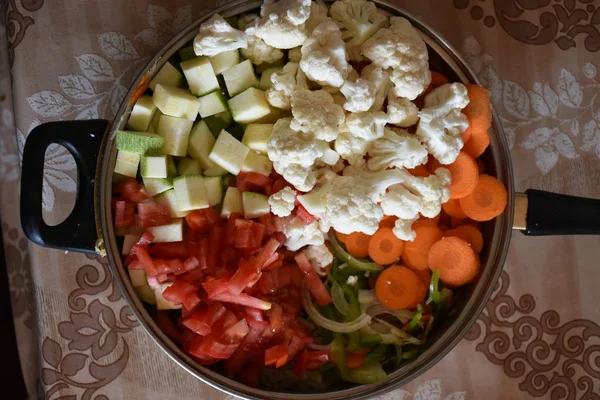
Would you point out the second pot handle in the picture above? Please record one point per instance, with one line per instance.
(83, 140)
(539, 213)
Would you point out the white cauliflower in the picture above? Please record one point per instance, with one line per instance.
(398, 149)
(294, 154)
(300, 234)
(283, 202)
(403, 229)
(401, 48)
(358, 21)
(324, 58)
(258, 51)
(359, 94)
(380, 79)
(401, 111)
(320, 257)
(217, 36)
(316, 112)
(442, 123)
(357, 133)
(377, 182)
(282, 23)
(283, 85)
(318, 15)
(295, 54)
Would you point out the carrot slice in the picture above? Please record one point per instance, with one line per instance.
(424, 275)
(469, 234)
(455, 259)
(438, 79)
(341, 236)
(466, 135)
(455, 223)
(416, 252)
(357, 244)
(388, 221)
(424, 221)
(480, 165)
(433, 164)
(479, 109)
(443, 227)
(399, 288)
(384, 247)
(464, 175)
(419, 170)
(452, 208)
(477, 143)
(487, 201)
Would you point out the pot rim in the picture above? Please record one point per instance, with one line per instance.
(439, 348)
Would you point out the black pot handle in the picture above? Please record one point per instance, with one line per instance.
(544, 213)
(82, 139)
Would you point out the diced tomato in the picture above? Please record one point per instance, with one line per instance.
(194, 277)
(258, 233)
(295, 346)
(176, 266)
(124, 213)
(300, 362)
(243, 300)
(316, 286)
(280, 237)
(191, 264)
(231, 228)
(134, 264)
(167, 325)
(201, 221)
(215, 286)
(316, 358)
(275, 319)
(246, 273)
(145, 259)
(215, 244)
(202, 321)
(178, 291)
(279, 184)
(202, 253)
(192, 302)
(144, 241)
(253, 314)
(151, 214)
(277, 355)
(252, 182)
(216, 348)
(273, 262)
(131, 189)
(268, 283)
(170, 250)
(236, 332)
(267, 221)
(304, 215)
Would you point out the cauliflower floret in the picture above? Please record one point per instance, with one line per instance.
(378, 182)
(401, 111)
(295, 54)
(401, 48)
(299, 234)
(316, 112)
(284, 83)
(294, 154)
(283, 202)
(400, 202)
(396, 149)
(358, 21)
(324, 58)
(320, 257)
(318, 15)
(217, 36)
(442, 123)
(282, 23)
(403, 229)
(359, 94)
(258, 51)
(380, 79)
(357, 133)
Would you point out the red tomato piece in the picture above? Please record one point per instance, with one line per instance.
(215, 245)
(273, 262)
(178, 291)
(151, 214)
(279, 184)
(124, 213)
(145, 259)
(216, 348)
(268, 283)
(275, 319)
(194, 277)
(231, 228)
(131, 189)
(176, 266)
(202, 253)
(202, 321)
(295, 346)
(267, 221)
(243, 300)
(191, 264)
(192, 302)
(252, 182)
(246, 273)
(277, 355)
(316, 358)
(304, 215)
(236, 332)
(300, 362)
(215, 286)
(316, 286)
(170, 250)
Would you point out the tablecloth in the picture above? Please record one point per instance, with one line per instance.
(539, 336)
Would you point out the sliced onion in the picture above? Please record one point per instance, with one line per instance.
(315, 346)
(405, 337)
(339, 300)
(366, 296)
(379, 309)
(334, 326)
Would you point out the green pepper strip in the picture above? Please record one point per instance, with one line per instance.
(377, 354)
(353, 313)
(353, 262)
(416, 319)
(410, 354)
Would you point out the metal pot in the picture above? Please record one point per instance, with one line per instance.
(89, 228)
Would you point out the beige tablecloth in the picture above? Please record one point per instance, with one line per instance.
(539, 336)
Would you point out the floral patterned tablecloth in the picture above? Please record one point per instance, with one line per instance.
(539, 336)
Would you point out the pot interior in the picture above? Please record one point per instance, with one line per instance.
(472, 299)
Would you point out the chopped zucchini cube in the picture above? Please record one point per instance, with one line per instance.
(256, 137)
(258, 163)
(155, 186)
(142, 113)
(172, 232)
(176, 102)
(215, 171)
(168, 75)
(255, 205)
(128, 242)
(229, 153)
(176, 132)
(188, 166)
(146, 294)
(239, 78)
(168, 200)
(249, 106)
(211, 104)
(190, 192)
(154, 167)
(171, 168)
(232, 202)
(127, 163)
(200, 76)
(161, 302)
(200, 144)
(139, 142)
(265, 78)
(214, 190)
(153, 127)
(216, 123)
(224, 60)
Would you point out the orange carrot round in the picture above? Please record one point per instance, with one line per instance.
(487, 201)
(469, 234)
(424, 221)
(443, 227)
(479, 109)
(433, 164)
(480, 165)
(416, 252)
(455, 259)
(466, 135)
(464, 175)
(419, 170)
(384, 247)
(452, 208)
(357, 244)
(388, 221)
(455, 223)
(477, 143)
(438, 79)
(424, 275)
(399, 288)
(341, 236)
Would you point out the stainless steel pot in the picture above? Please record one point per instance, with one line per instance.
(89, 228)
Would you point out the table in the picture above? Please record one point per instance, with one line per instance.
(539, 335)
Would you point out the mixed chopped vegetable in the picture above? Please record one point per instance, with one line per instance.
(299, 192)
